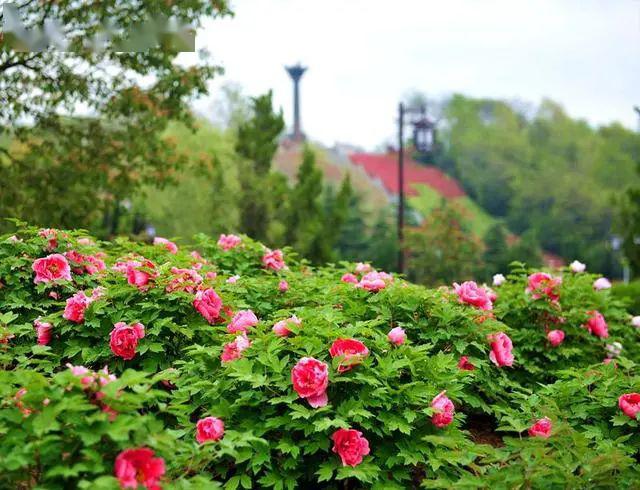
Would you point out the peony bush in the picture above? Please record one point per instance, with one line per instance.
(130, 365)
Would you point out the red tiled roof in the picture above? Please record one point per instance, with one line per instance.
(385, 167)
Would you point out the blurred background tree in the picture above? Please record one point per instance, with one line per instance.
(539, 182)
(542, 171)
(443, 249)
(66, 172)
(256, 144)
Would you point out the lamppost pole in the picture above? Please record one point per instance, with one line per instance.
(424, 141)
(401, 188)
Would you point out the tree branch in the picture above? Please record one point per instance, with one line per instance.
(19, 62)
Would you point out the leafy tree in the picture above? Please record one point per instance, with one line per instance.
(496, 252)
(352, 242)
(486, 139)
(628, 223)
(526, 249)
(279, 190)
(336, 211)
(443, 249)
(306, 223)
(203, 197)
(543, 171)
(257, 143)
(382, 249)
(67, 172)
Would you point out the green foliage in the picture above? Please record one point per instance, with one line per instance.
(382, 242)
(352, 240)
(498, 254)
(337, 210)
(207, 183)
(544, 172)
(257, 142)
(442, 249)
(61, 434)
(63, 171)
(306, 223)
(629, 293)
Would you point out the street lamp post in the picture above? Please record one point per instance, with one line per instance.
(401, 188)
(424, 140)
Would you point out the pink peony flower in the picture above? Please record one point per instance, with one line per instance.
(597, 325)
(542, 284)
(501, 349)
(614, 349)
(85, 241)
(577, 267)
(349, 278)
(601, 283)
(184, 280)
(283, 286)
(281, 328)
(273, 259)
(362, 268)
(555, 337)
(134, 467)
(310, 379)
(443, 410)
(233, 279)
(141, 275)
(350, 351)
(170, 246)
(498, 280)
(465, 364)
(209, 304)
(470, 293)
(227, 242)
(113, 414)
(98, 293)
(53, 267)
(122, 266)
(374, 281)
(211, 275)
(85, 375)
(629, 403)
(635, 321)
(93, 264)
(43, 330)
(84, 263)
(51, 236)
(209, 429)
(542, 428)
(397, 336)
(233, 350)
(124, 339)
(18, 401)
(76, 306)
(104, 377)
(350, 445)
(242, 321)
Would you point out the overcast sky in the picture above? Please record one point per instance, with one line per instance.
(364, 55)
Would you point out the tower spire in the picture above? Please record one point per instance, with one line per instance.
(296, 72)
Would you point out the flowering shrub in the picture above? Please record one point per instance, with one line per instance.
(156, 371)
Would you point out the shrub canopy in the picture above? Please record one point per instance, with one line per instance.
(144, 341)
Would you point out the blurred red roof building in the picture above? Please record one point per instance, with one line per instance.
(384, 166)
